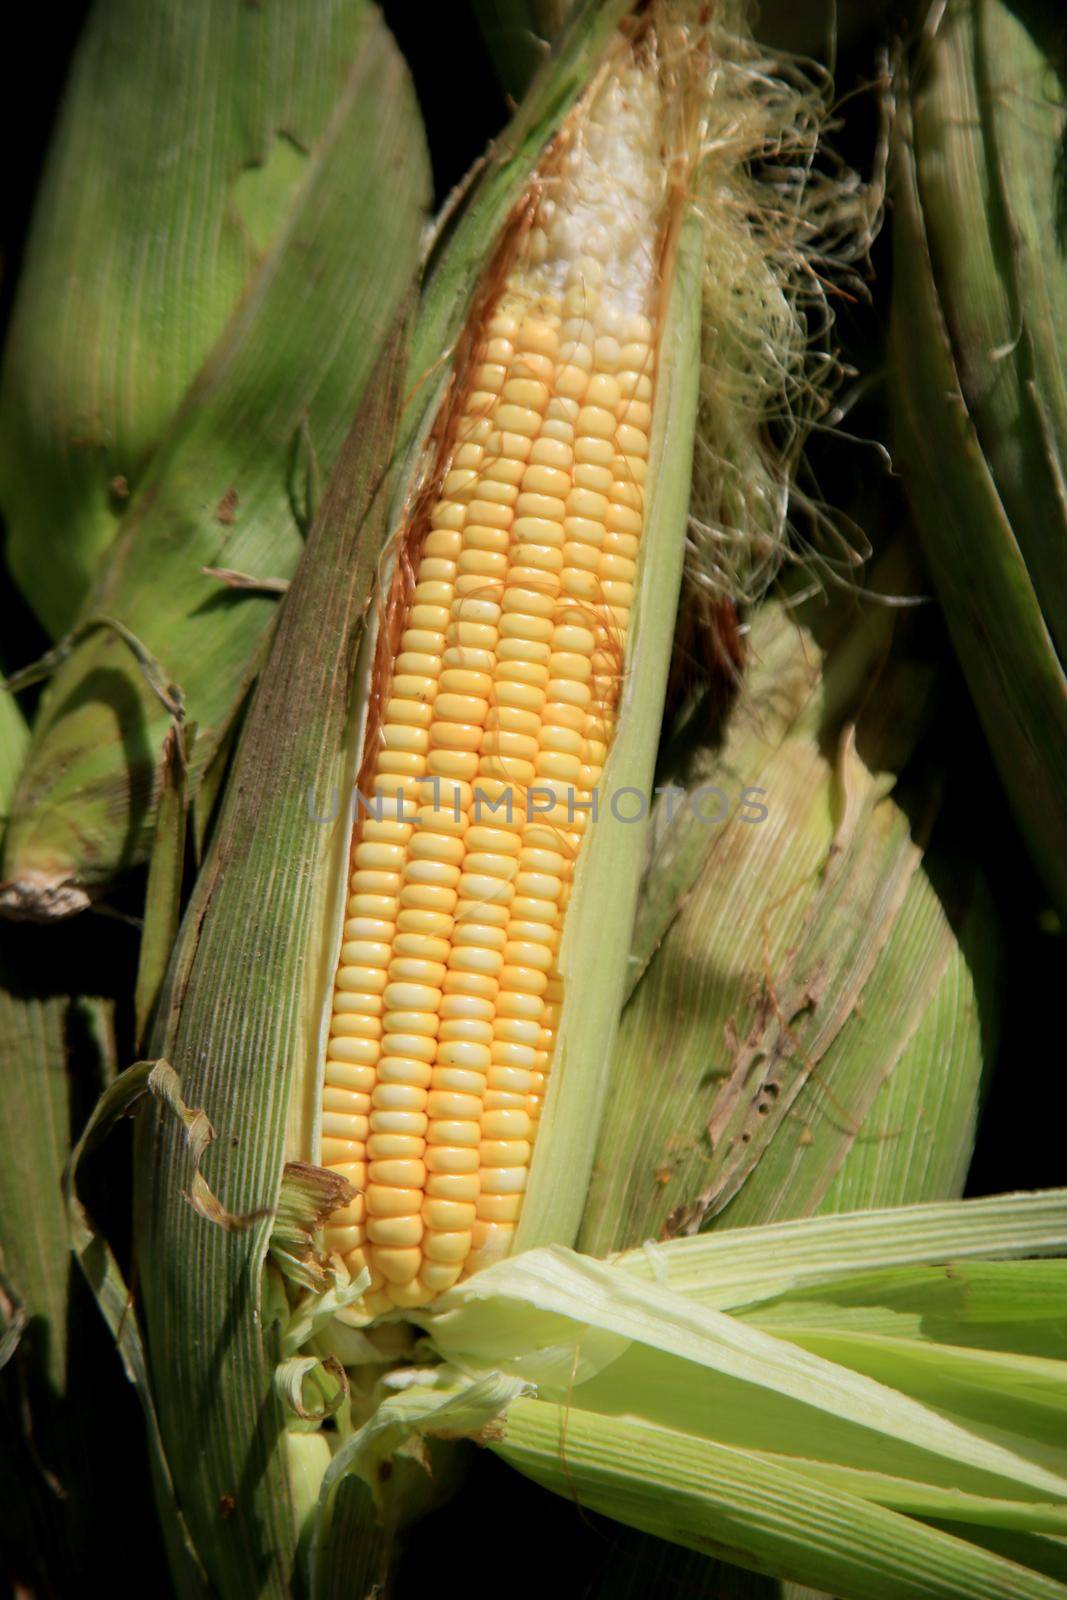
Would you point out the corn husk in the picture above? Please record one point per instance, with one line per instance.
(805, 958)
(979, 383)
(823, 1400)
(175, 167)
(809, 1022)
(229, 489)
(518, 35)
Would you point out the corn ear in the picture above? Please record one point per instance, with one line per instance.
(301, 743)
(270, 406)
(980, 300)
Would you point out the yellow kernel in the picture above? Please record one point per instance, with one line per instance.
(444, 1215)
(499, 1207)
(395, 1232)
(383, 1200)
(398, 1265)
(451, 1159)
(447, 1247)
(504, 1152)
(459, 1134)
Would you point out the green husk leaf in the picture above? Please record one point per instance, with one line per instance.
(312, 1389)
(661, 1447)
(593, 957)
(105, 1279)
(794, 957)
(292, 362)
(978, 384)
(184, 142)
(581, 1330)
(165, 873)
(729, 1270)
(258, 899)
(518, 34)
(736, 1505)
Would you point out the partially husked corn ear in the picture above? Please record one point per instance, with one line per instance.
(482, 774)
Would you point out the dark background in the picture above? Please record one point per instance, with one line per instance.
(555, 1547)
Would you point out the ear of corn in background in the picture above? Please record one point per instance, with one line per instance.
(980, 304)
(174, 170)
(384, 1094)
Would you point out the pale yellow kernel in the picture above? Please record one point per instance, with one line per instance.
(504, 1152)
(395, 1146)
(499, 469)
(411, 1123)
(491, 513)
(394, 1232)
(460, 1134)
(461, 1186)
(526, 392)
(385, 1200)
(443, 539)
(335, 1151)
(549, 452)
(499, 1207)
(445, 1215)
(511, 446)
(596, 422)
(440, 1275)
(464, 1053)
(340, 1240)
(537, 336)
(447, 1103)
(452, 1159)
(460, 1005)
(446, 764)
(518, 1056)
(474, 983)
(488, 375)
(459, 480)
(398, 1266)
(352, 1051)
(572, 382)
(344, 1026)
(447, 1247)
(517, 1003)
(547, 506)
(520, 419)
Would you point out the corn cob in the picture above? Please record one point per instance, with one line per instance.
(495, 728)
